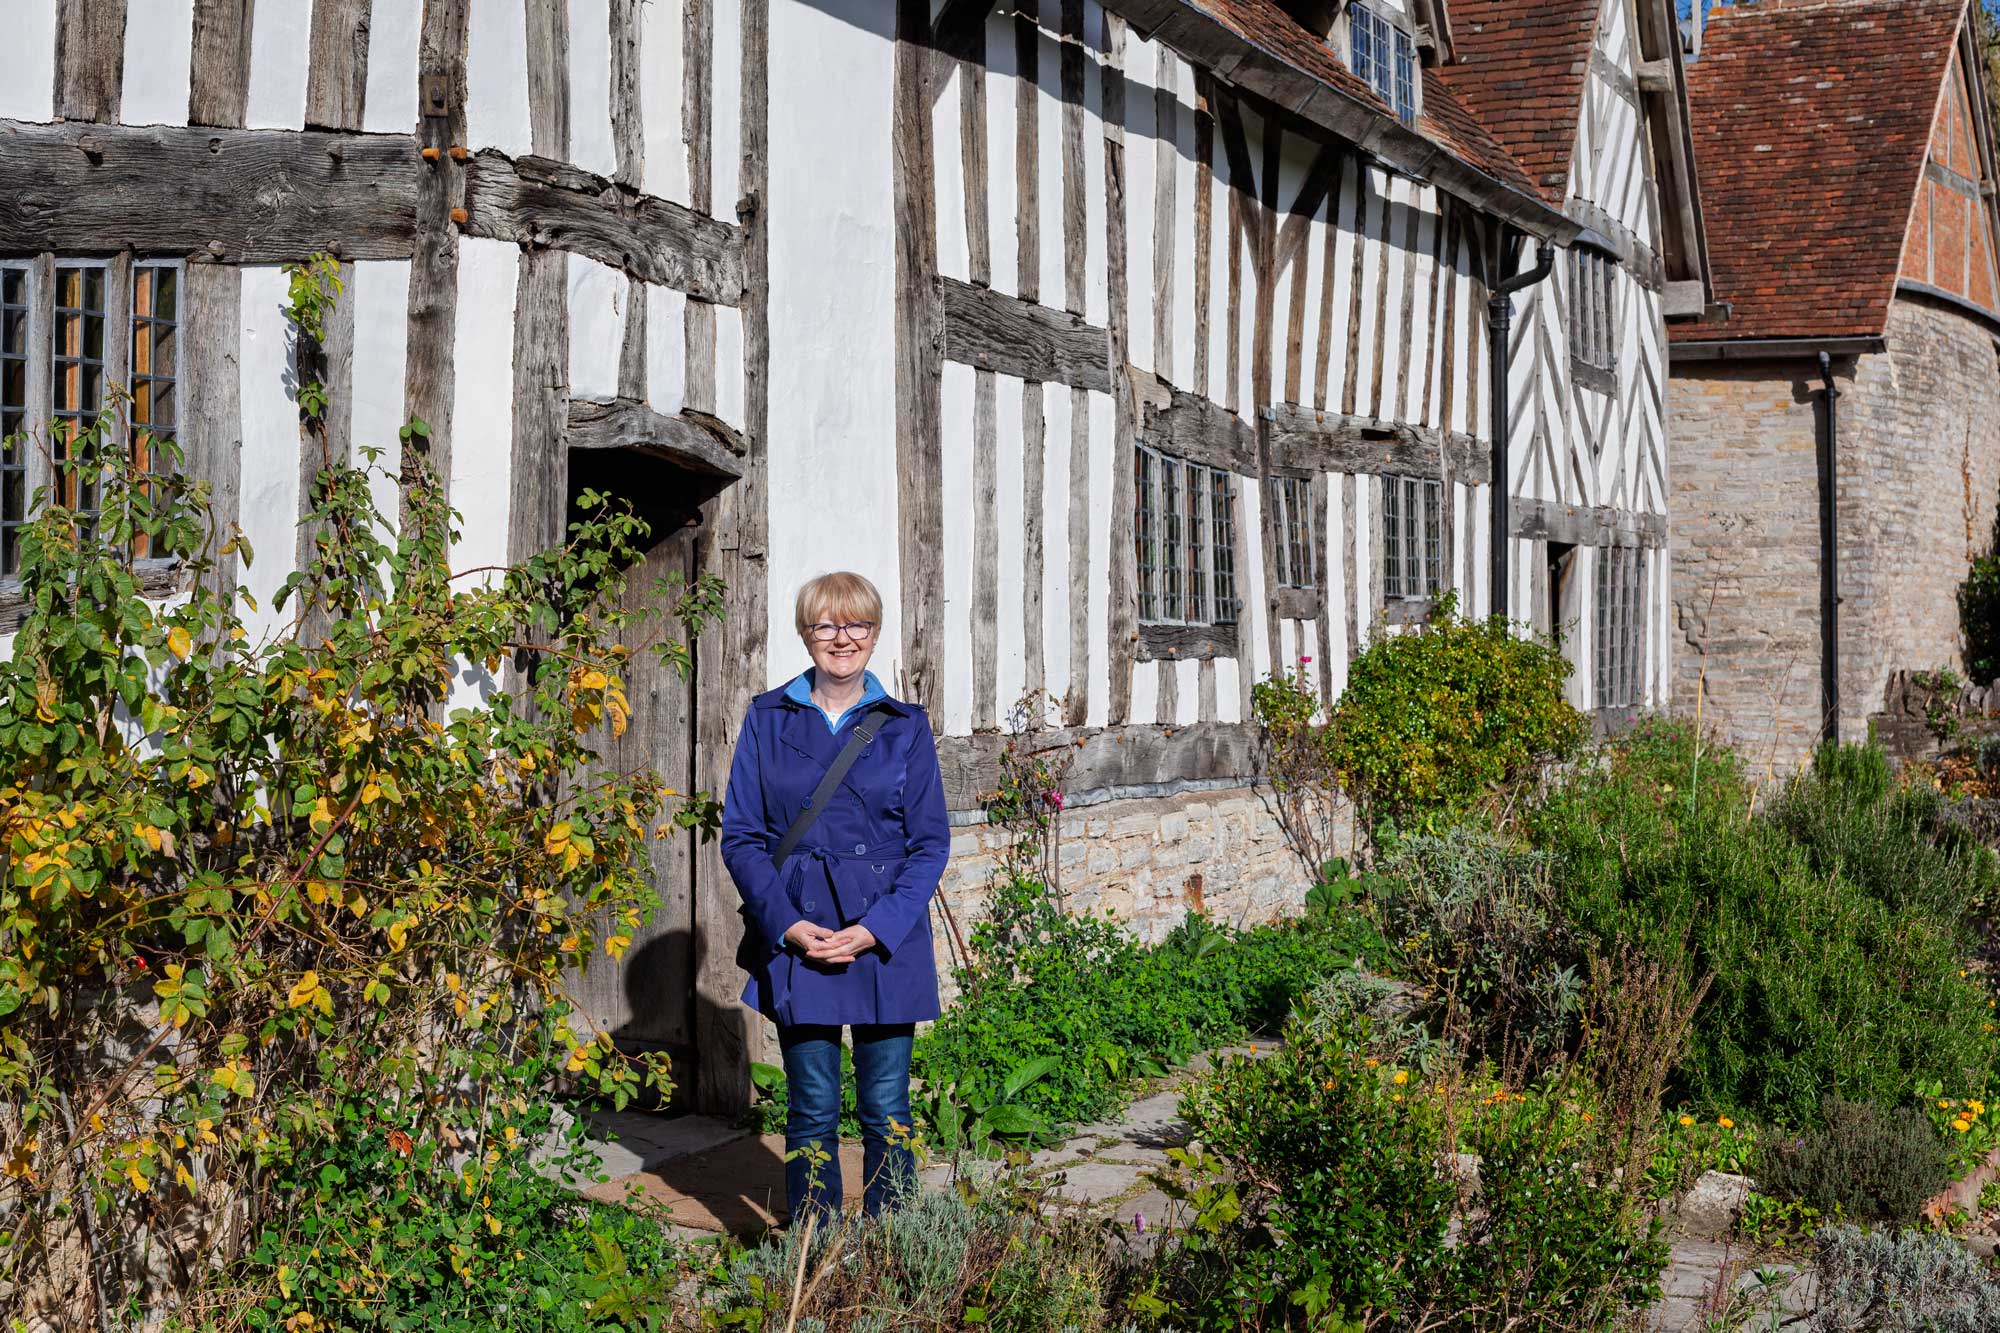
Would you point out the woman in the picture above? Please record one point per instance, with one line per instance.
(838, 928)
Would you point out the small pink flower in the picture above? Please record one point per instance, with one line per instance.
(1139, 1222)
(1305, 661)
(1054, 799)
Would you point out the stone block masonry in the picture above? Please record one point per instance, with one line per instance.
(1148, 862)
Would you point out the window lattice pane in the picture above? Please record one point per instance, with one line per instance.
(1593, 326)
(155, 371)
(1171, 567)
(1620, 626)
(13, 414)
(1392, 537)
(1412, 537)
(1198, 482)
(1222, 498)
(1406, 76)
(1433, 538)
(77, 365)
(1149, 608)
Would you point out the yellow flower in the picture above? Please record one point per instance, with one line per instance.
(1943, 1105)
(1396, 1097)
(1961, 1124)
(1371, 1062)
(1402, 1077)
(1725, 1122)
(1586, 1117)
(1686, 1120)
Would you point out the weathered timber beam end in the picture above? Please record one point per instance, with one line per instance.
(1105, 760)
(268, 196)
(1306, 440)
(241, 196)
(695, 441)
(1587, 525)
(536, 201)
(1201, 432)
(989, 330)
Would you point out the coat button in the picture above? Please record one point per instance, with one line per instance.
(860, 849)
(810, 904)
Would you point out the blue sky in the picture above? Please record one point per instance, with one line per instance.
(1992, 6)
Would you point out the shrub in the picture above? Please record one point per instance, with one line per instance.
(1435, 718)
(1475, 922)
(1319, 1192)
(1979, 617)
(1822, 984)
(1906, 1282)
(1863, 1162)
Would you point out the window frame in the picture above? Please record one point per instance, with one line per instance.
(1185, 599)
(1618, 643)
(1593, 317)
(1401, 527)
(16, 467)
(1383, 54)
(1290, 507)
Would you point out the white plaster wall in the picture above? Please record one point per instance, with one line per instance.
(1057, 422)
(597, 300)
(380, 296)
(159, 59)
(1141, 170)
(496, 78)
(729, 365)
(832, 456)
(1048, 150)
(280, 51)
(666, 349)
(661, 42)
(590, 144)
(948, 169)
(1252, 644)
(28, 61)
(389, 105)
(482, 404)
(1010, 518)
(955, 396)
(270, 458)
(725, 101)
(1003, 97)
(1096, 305)
(1104, 458)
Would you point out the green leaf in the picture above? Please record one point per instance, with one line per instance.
(1027, 1075)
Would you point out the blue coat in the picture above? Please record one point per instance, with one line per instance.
(874, 856)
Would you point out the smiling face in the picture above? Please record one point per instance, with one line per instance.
(847, 609)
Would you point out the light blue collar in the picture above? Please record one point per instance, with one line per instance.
(799, 691)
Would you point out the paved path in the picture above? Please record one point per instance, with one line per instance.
(710, 1177)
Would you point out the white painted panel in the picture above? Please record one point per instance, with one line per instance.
(666, 349)
(1228, 690)
(394, 30)
(1187, 685)
(590, 143)
(1221, 237)
(1251, 638)
(1246, 327)
(1372, 343)
(1394, 335)
(159, 60)
(1479, 501)
(1365, 489)
(1416, 407)
(496, 78)
(1141, 204)
(597, 297)
(1284, 291)
(833, 399)
(729, 365)
(1003, 201)
(1010, 509)
(1096, 298)
(380, 296)
(956, 398)
(1145, 693)
(1184, 204)
(1103, 458)
(280, 50)
(661, 38)
(954, 257)
(1339, 608)
(1056, 618)
(270, 460)
(725, 103)
(1312, 272)
(1048, 145)
(482, 401)
(28, 61)
(1287, 646)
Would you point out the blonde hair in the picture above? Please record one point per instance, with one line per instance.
(838, 597)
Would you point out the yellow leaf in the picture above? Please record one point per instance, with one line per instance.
(557, 839)
(493, 1224)
(322, 815)
(398, 932)
(179, 643)
(594, 680)
(97, 1122)
(616, 945)
(302, 993)
(370, 793)
(317, 891)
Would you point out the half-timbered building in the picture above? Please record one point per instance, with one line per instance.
(1137, 349)
(1837, 441)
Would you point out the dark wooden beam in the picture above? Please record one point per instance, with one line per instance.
(1139, 755)
(692, 440)
(1587, 525)
(989, 330)
(337, 68)
(1330, 442)
(1201, 432)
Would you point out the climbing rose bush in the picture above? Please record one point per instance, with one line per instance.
(274, 894)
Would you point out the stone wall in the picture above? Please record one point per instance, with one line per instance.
(1150, 862)
(1920, 476)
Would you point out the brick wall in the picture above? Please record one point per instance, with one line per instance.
(1920, 474)
(1150, 862)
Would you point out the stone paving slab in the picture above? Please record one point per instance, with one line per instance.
(629, 1142)
(737, 1187)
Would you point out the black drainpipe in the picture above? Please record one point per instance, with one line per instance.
(1829, 553)
(1499, 321)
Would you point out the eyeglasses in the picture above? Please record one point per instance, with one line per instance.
(859, 631)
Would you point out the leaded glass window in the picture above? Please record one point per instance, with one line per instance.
(14, 282)
(1621, 625)
(1289, 500)
(1185, 534)
(77, 364)
(1384, 55)
(1593, 330)
(1412, 538)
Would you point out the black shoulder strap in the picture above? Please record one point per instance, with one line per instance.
(864, 732)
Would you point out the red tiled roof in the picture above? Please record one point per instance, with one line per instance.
(1444, 120)
(1811, 121)
(1521, 69)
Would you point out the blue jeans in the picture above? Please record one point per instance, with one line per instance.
(882, 1097)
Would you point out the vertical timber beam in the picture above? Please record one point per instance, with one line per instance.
(219, 79)
(730, 660)
(1028, 285)
(698, 131)
(211, 433)
(919, 364)
(90, 59)
(1121, 652)
(337, 69)
(429, 360)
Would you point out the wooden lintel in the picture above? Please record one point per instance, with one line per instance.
(1202, 432)
(1331, 442)
(693, 440)
(1656, 76)
(988, 330)
(1101, 758)
(1587, 525)
(271, 196)
(1185, 643)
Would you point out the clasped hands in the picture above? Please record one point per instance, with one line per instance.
(831, 946)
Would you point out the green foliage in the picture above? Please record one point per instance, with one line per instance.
(1082, 991)
(1862, 1162)
(1979, 618)
(1970, 1133)
(1829, 925)
(1686, 1147)
(1316, 1196)
(1901, 1282)
(1435, 718)
(268, 893)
